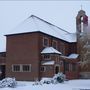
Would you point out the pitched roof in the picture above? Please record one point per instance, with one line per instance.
(73, 56)
(51, 50)
(34, 24)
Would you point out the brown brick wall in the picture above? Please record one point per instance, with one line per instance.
(68, 47)
(72, 75)
(61, 45)
(23, 49)
(2, 60)
(49, 72)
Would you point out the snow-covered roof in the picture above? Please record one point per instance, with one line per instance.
(34, 24)
(48, 63)
(73, 56)
(50, 50)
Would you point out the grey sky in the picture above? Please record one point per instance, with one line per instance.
(60, 13)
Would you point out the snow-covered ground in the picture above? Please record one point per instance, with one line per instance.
(67, 85)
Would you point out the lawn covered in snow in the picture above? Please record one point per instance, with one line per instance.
(67, 85)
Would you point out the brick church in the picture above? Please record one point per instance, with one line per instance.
(39, 49)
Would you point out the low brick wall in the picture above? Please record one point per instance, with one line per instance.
(72, 75)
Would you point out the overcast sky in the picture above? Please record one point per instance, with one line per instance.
(60, 13)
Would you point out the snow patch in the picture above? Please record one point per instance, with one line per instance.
(50, 50)
(48, 63)
(74, 56)
(79, 84)
(8, 82)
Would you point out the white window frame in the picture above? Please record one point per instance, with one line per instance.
(13, 67)
(21, 67)
(29, 67)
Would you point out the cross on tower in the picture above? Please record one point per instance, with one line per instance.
(81, 7)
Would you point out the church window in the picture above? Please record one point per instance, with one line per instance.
(54, 44)
(16, 68)
(66, 66)
(26, 68)
(43, 69)
(46, 56)
(45, 42)
(73, 67)
(82, 24)
(62, 48)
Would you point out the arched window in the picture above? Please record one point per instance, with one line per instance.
(82, 24)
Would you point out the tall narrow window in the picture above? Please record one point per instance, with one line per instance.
(62, 48)
(54, 44)
(66, 66)
(45, 42)
(61, 63)
(74, 67)
(82, 24)
(43, 69)
(57, 69)
(70, 67)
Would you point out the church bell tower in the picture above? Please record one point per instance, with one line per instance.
(81, 22)
(81, 25)
(83, 45)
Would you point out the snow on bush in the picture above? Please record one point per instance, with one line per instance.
(37, 83)
(58, 78)
(8, 82)
(46, 80)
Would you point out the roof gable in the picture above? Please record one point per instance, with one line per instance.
(34, 24)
